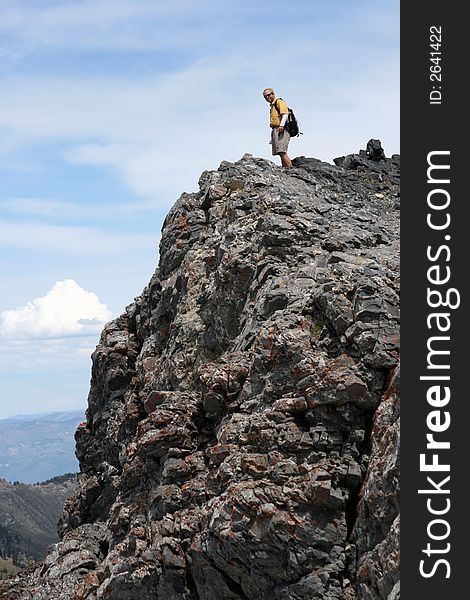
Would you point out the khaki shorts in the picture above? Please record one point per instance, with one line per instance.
(279, 142)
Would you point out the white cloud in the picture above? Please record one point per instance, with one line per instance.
(84, 241)
(141, 24)
(56, 210)
(48, 354)
(51, 209)
(66, 310)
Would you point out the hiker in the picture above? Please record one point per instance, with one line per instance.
(277, 119)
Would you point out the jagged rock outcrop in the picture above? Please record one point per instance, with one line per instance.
(241, 434)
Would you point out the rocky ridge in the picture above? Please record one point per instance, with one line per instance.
(242, 427)
(29, 515)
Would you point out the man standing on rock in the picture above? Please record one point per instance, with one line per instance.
(277, 119)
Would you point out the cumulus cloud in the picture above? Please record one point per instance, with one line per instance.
(66, 310)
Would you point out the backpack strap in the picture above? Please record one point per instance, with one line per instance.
(276, 106)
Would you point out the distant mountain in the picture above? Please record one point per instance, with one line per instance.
(29, 515)
(34, 448)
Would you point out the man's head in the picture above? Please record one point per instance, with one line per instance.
(268, 94)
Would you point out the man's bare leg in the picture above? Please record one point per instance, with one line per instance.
(285, 160)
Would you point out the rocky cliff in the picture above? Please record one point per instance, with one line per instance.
(241, 439)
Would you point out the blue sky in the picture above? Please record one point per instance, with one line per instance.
(110, 109)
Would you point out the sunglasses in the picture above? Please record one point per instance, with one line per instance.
(268, 95)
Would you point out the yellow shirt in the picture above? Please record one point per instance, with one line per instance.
(274, 116)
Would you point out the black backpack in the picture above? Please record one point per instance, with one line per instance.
(292, 124)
